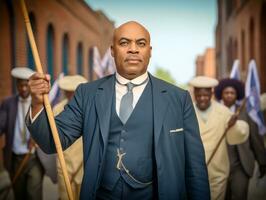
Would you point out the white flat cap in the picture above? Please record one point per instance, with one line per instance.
(22, 73)
(70, 83)
(263, 101)
(203, 82)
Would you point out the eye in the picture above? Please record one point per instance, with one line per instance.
(123, 43)
(141, 44)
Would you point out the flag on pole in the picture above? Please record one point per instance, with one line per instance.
(252, 90)
(108, 62)
(103, 66)
(54, 93)
(235, 72)
(97, 66)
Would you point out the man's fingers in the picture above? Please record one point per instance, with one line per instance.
(37, 76)
(41, 86)
(37, 82)
(40, 91)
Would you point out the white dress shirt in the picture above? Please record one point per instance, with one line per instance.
(20, 147)
(121, 89)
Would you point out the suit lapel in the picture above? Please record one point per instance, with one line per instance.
(160, 105)
(13, 111)
(103, 101)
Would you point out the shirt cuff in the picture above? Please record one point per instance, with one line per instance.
(35, 117)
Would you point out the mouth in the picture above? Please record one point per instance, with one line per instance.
(133, 60)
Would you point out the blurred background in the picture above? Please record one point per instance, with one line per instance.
(189, 38)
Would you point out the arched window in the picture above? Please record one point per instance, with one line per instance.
(90, 64)
(30, 59)
(65, 54)
(79, 58)
(243, 51)
(251, 39)
(236, 56)
(230, 58)
(50, 50)
(262, 66)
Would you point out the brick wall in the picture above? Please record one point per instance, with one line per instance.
(73, 17)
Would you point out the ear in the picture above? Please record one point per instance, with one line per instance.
(150, 51)
(112, 50)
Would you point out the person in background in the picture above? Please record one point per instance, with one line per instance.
(19, 145)
(242, 156)
(73, 155)
(214, 119)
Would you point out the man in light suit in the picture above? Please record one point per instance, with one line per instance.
(140, 134)
(214, 119)
(73, 155)
(242, 157)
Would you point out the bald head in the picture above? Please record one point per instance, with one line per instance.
(130, 25)
(131, 49)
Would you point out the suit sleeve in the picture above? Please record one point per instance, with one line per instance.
(69, 125)
(3, 118)
(196, 170)
(256, 143)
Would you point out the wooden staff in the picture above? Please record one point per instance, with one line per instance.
(224, 134)
(47, 103)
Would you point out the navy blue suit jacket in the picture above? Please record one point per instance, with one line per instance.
(179, 153)
(8, 114)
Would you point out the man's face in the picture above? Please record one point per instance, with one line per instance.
(23, 88)
(131, 50)
(229, 96)
(203, 97)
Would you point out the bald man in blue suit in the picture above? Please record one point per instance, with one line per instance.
(140, 134)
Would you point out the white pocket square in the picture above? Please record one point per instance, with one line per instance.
(176, 130)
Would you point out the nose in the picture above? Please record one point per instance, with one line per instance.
(133, 48)
(24, 88)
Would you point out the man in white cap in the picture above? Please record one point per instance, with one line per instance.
(74, 154)
(19, 145)
(213, 120)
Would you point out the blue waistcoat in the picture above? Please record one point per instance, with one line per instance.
(135, 139)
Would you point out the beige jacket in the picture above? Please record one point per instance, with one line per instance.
(211, 131)
(74, 162)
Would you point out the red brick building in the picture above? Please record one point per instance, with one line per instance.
(240, 34)
(205, 64)
(65, 32)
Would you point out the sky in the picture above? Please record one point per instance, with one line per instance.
(180, 29)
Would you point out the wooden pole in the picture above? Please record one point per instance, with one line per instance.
(47, 103)
(224, 134)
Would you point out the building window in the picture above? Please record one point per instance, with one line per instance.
(65, 54)
(230, 54)
(243, 52)
(229, 8)
(50, 51)
(236, 50)
(251, 39)
(90, 64)
(31, 63)
(79, 58)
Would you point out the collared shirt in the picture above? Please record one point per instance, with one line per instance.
(121, 89)
(232, 108)
(20, 147)
(204, 114)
